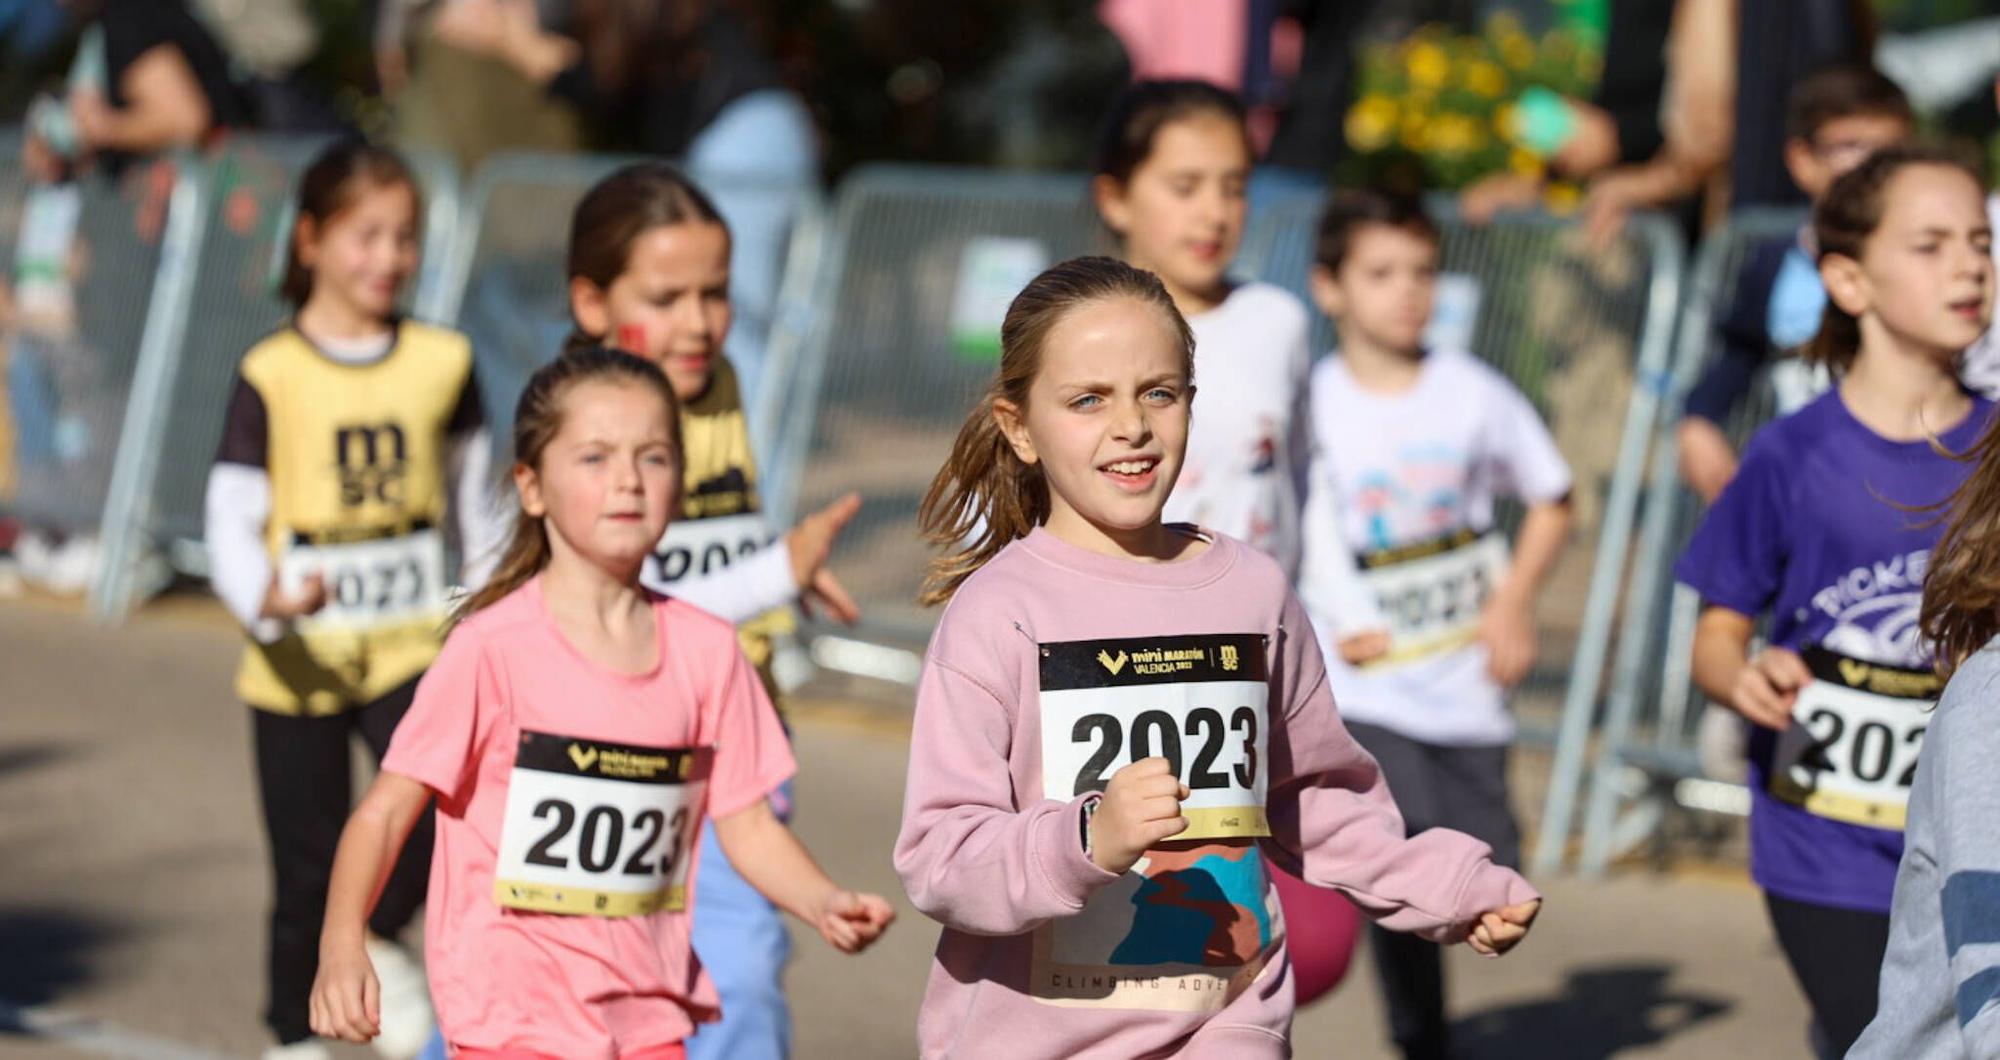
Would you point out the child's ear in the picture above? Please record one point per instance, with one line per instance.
(529, 486)
(587, 306)
(305, 241)
(1007, 417)
(1109, 195)
(1326, 292)
(1846, 283)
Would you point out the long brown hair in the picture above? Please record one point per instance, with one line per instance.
(618, 210)
(1961, 609)
(985, 494)
(1842, 223)
(538, 418)
(331, 184)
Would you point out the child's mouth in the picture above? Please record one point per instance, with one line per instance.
(1134, 474)
(1968, 308)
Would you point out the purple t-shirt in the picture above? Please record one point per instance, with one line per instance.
(1817, 530)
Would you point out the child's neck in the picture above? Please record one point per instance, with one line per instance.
(1153, 543)
(329, 318)
(1379, 368)
(1902, 393)
(604, 613)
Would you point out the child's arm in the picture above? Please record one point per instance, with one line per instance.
(1508, 626)
(767, 854)
(1958, 790)
(970, 857)
(346, 999)
(795, 569)
(1761, 688)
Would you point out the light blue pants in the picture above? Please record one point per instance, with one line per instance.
(740, 937)
(753, 159)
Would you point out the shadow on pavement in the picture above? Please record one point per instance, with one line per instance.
(48, 952)
(1600, 1012)
(31, 756)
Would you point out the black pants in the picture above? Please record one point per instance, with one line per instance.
(305, 778)
(1463, 788)
(1836, 954)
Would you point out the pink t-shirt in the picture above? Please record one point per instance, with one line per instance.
(508, 686)
(1052, 668)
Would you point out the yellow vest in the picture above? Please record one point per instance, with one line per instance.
(356, 458)
(720, 482)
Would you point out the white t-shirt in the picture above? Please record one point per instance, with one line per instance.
(1979, 369)
(1421, 468)
(1246, 449)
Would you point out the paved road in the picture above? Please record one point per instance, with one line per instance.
(132, 887)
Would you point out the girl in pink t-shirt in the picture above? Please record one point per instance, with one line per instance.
(1124, 723)
(575, 732)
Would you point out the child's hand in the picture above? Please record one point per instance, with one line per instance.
(1507, 628)
(849, 921)
(810, 543)
(1768, 685)
(1364, 648)
(1503, 929)
(1141, 807)
(310, 598)
(346, 998)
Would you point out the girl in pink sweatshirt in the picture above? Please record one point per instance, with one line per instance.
(1121, 719)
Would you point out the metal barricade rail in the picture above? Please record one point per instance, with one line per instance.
(1645, 758)
(227, 300)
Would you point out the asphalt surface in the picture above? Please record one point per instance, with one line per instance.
(132, 886)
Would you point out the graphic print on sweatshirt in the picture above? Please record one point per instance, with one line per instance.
(1191, 924)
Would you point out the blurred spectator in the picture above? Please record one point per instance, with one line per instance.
(465, 100)
(1174, 40)
(269, 42)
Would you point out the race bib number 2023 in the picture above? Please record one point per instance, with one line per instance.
(1201, 702)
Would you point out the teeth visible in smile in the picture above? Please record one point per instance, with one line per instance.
(1130, 467)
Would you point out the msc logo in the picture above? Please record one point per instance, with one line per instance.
(1230, 661)
(372, 460)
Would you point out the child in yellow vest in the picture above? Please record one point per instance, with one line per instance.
(350, 438)
(649, 273)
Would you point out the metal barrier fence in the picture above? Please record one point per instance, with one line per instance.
(82, 321)
(1645, 756)
(1585, 332)
(918, 266)
(504, 282)
(228, 299)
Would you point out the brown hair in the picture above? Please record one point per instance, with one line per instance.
(1349, 210)
(1146, 107)
(538, 418)
(1961, 609)
(984, 493)
(1843, 90)
(331, 184)
(1842, 223)
(617, 211)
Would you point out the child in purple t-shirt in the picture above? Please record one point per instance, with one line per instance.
(1818, 531)
(1121, 719)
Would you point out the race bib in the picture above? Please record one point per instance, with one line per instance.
(704, 546)
(599, 829)
(1200, 702)
(371, 583)
(1432, 593)
(1851, 751)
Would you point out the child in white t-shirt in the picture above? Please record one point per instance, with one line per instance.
(1411, 448)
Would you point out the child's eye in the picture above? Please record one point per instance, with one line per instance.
(593, 458)
(1085, 401)
(659, 460)
(1162, 394)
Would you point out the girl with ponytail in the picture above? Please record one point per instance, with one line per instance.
(569, 692)
(1123, 724)
(1821, 530)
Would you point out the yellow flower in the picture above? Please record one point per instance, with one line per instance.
(1517, 51)
(1416, 132)
(1428, 64)
(1457, 134)
(1371, 122)
(1564, 198)
(1525, 162)
(1486, 79)
(1504, 24)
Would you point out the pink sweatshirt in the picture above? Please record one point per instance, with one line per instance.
(1052, 668)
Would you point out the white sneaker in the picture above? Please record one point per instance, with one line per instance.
(407, 1019)
(303, 1049)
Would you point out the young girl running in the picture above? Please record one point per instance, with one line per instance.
(1415, 445)
(1173, 168)
(350, 436)
(576, 731)
(649, 272)
(1817, 531)
(1121, 720)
